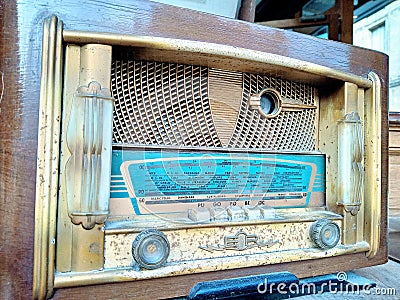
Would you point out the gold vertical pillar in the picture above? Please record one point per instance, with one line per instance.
(48, 159)
(86, 161)
(335, 106)
(373, 164)
(350, 165)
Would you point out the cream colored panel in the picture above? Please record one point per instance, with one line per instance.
(188, 245)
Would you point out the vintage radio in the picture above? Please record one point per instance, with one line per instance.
(160, 157)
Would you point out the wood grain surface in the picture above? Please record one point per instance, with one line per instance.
(20, 56)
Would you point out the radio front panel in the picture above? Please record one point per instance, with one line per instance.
(176, 105)
(179, 157)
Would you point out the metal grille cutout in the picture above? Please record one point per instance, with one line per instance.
(162, 104)
(169, 104)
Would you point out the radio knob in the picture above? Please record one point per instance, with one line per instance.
(325, 233)
(150, 249)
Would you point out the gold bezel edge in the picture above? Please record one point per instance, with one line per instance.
(45, 228)
(71, 279)
(47, 159)
(212, 49)
(373, 160)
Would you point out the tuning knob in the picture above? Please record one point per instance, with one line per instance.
(150, 249)
(325, 233)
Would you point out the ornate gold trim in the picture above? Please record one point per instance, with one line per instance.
(353, 208)
(239, 242)
(44, 278)
(211, 49)
(88, 134)
(350, 163)
(48, 159)
(373, 165)
(85, 163)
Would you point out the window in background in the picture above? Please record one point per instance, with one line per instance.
(380, 31)
(378, 38)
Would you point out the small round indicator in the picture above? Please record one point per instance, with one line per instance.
(267, 104)
(270, 103)
(325, 233)
(150, 249)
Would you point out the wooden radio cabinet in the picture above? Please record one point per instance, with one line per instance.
(105, 107)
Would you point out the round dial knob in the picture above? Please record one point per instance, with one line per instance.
(325, 233)
(150, 249)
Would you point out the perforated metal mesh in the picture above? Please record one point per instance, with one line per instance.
(169, 104)
(290, 130)
(161, 104)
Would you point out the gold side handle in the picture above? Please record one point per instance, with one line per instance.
(373, 165)
(350, 156)
(89, 142)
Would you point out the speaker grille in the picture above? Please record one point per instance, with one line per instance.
(162, 104)
(290, 130)
(183, 105)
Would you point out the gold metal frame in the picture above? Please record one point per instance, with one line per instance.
(63, 280)
(48, 159)
(204, 50)
(44, 278)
